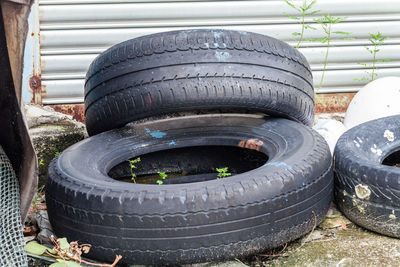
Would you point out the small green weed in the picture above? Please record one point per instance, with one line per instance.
(41, 162)
(304, 10)
(223, 172)
(326, 22)
(377, 40)
(132, 166)
(163, 177)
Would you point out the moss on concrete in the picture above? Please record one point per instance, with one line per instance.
(354, 247)
(51, 138)
(336, 242)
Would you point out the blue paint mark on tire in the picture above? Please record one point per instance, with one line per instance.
(172, 143)
(280, 164)
(156, 134)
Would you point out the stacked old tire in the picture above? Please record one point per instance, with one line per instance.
(194, 101)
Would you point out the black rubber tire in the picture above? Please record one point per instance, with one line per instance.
(367, 191)
(194, 222)
(194, 70)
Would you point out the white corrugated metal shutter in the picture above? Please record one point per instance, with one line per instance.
(73, 33)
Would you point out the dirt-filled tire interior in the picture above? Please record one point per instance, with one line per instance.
(190, 164)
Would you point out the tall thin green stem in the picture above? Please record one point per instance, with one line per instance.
(377, 40)
(302, 28)
(326, 56)
(373, 63)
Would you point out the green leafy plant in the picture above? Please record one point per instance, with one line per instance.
(376, 40)
(223, 172)
(41, 162)
(326, 22)
(132, 166)
(67, 254)
(304, 10)
(56, 154)
(163, 177)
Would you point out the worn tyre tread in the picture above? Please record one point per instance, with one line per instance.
(176, 60)
(225, 209)
(120, 52)
(271, 97)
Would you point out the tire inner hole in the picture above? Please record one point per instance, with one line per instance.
(189, 164)
(393, 159)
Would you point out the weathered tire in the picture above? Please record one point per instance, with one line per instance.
(197, 70)
(367, 191)
(191, 222)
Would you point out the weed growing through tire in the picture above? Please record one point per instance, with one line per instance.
(377, 40)
(132, 166)
(304, 10)
(163, 177)
(223, 172)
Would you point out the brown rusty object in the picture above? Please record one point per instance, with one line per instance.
(331, 103)
(77, 111)
(29, 231)
(35, 83)
(254, 144)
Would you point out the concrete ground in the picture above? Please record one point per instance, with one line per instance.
(335, 242)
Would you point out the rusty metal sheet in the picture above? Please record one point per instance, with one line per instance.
(331, 103)
(77, 111)
(35, 84)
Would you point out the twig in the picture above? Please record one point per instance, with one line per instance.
(117, 259)
(67, 254)
(52, 255)
(236, 259)
(276, 255)
(312, 231)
